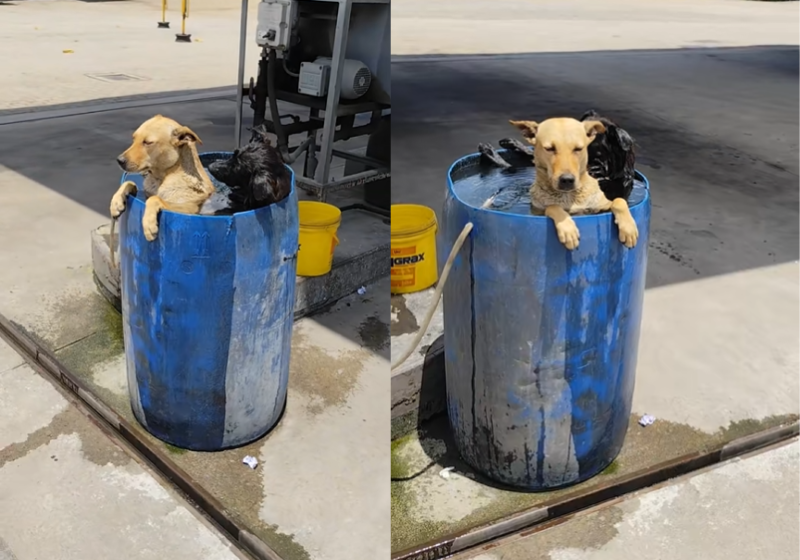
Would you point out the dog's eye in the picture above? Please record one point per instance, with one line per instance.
(147, 142)
(550, 148)
(578, 149)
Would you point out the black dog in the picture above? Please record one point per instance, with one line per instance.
(256, 175)
(612, 158)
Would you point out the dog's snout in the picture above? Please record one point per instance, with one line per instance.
(566, 182)
(122, 161)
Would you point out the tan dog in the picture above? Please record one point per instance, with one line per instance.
(563, 185)
(164, 152)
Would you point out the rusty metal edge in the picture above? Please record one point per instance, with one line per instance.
(109, 420)
(550, 511)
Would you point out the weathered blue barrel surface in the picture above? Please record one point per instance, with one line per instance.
(540, 342)
(207, 321)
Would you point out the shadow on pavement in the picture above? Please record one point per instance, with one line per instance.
(716, 130)
(75, 156)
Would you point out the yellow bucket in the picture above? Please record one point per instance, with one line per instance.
(413, 248)
(318, 225)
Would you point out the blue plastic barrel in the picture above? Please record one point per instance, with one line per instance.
(540, 342)
(207, 314)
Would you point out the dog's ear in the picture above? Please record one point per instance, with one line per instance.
(183, 135)
(593, 128)
(528, 129)
(625, 139)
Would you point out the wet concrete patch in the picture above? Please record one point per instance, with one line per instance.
(94, 447)
(586, 533)
(326, 379)
(221, 473)
(403, 320)
(424, 503)
(374, 333)
(67, 317)
(326, 398)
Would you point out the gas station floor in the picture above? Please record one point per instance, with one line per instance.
(742, 509)
(716, 132)
(320, 484)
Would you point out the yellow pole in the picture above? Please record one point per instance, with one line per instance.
(183, 36)
(163, 24)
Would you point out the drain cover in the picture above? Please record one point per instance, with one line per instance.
(114, 77)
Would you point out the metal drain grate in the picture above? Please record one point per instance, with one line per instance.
(114, 77)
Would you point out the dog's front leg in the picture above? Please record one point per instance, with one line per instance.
(628, 232)
(152, 207)
(118, 200)
(567, 230)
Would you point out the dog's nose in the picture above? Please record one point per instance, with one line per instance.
(566, 182)
(122, 161)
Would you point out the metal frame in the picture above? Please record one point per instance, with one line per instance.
(319, 185)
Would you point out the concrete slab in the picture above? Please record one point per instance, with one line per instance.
(320, 485)
(717, 137)
(716, 183)
(70, 492)
(85, 173)
(515, 26)
(743, 509)
(120, 38)
(325, 457)
(737, 357)
(720, 151)
(428, 507)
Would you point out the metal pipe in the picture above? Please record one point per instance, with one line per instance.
(240, 76)
(334, 90)
(272, 97)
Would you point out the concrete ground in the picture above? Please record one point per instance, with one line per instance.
(117, 37)
(743, 509)
(68, 491)
(306, 479)
(319, 490)
(712, 101)
(426, 28)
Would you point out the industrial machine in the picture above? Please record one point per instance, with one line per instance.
(324, 76)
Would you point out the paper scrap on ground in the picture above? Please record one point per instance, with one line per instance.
(250, 461)
(445, 473)
(362, 290)
(646, 420)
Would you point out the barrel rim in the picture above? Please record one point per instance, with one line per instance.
(402, 233)
(579, 217)
(281, 204)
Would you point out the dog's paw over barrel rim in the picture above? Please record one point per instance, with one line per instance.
(207, 313)
(540, 342)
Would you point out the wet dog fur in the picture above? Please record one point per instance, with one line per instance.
(256, 175)
(165, 153)
(612, 157)
(563, 185)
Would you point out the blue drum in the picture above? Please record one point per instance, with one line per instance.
(207, 311)
(540, 342)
